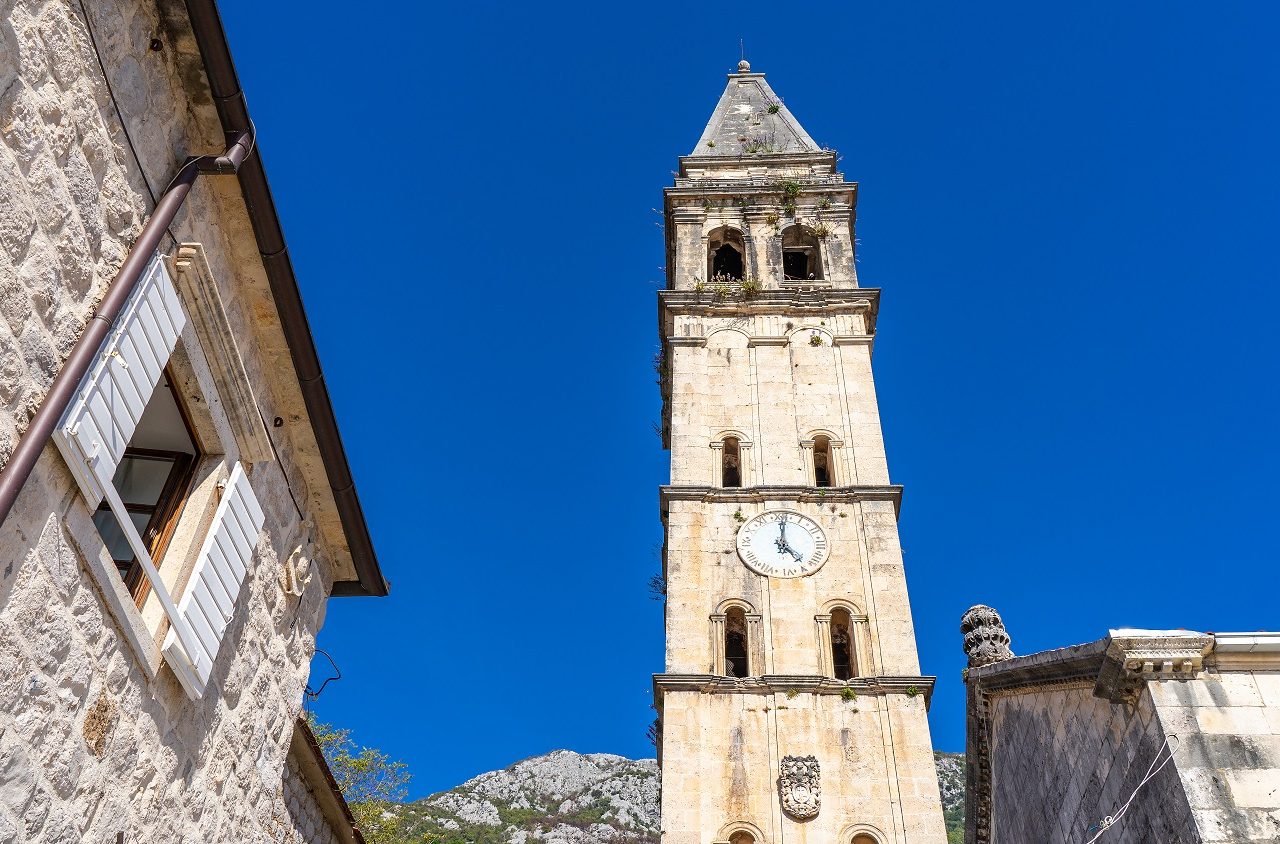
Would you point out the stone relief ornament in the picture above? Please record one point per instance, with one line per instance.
(800, 788)
(985, 639)
(297, 572)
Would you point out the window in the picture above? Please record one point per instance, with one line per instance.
(736, 661)
(801, 256)
(153, 478)
(126, 442)
(863, 838)
(842, 654)
(726, 249)
(823, 474)
(739, 832)
(731, 463)
(735, 643)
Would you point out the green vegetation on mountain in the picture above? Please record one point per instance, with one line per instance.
(571, 798)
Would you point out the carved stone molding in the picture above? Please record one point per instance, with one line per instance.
(766, 494)
(199, 292)
(985, 638)
(1132, 660)
(910, 687)
(792, 300)
(986, 641)
(800, 786)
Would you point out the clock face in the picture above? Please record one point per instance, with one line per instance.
(780, 543)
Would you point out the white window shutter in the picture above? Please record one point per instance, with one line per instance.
(209, 602)
(108, 404)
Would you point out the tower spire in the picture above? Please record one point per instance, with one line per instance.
(750, 119)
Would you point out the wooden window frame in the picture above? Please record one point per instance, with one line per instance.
(172, 501)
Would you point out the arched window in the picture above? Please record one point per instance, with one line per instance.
(731, 463)
(739, 832)
(842, 653)
(861, 834)
(725, 251)
(823, 465)
(801, 256)
(736, 660)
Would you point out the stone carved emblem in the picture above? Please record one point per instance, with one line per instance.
(800, 788)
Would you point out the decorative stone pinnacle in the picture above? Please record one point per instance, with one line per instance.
(744, 66)
(985, 639)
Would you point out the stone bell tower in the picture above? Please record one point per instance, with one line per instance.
(792, 708)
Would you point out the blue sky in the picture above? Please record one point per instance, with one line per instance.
(1070, 209)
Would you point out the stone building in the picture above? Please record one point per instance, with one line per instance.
(792, 708)
(175, 504)
(1181, 727)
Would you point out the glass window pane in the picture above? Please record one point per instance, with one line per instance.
(140, 480)
(114, 538)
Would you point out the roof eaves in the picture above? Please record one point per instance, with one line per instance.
(228, 98)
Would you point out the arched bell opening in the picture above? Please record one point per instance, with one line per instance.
(726, 253)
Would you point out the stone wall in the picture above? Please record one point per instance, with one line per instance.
(761, 376)
(1229, 755)
(724, 750)
(864, 573)
(1061, 759)
(307, 821)
(96, 735)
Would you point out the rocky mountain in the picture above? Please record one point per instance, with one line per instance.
(572, 798)
(951, 784)
(560, 798)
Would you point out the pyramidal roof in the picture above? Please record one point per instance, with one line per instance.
(751, 120)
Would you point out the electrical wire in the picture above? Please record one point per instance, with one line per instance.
(1111, 820)
(289, 486)
(312, 695)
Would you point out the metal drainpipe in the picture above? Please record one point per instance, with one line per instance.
(15, 473)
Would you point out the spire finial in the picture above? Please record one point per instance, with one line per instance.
(744, 66)
(985, 638)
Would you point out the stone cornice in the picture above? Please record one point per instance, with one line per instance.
(1133, 660)
(794, 684)
(1047, 667)
(764, 494)
(776, 164)
(1245, 652)
(800, 300)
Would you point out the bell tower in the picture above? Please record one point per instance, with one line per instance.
(792, 709)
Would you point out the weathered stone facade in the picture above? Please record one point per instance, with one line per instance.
(308, 824)
(316, 809)
(1068, 736)
(770, 408)
(97, 736)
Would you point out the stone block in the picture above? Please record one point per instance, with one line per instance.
(1233, 720)
(1254, 789)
